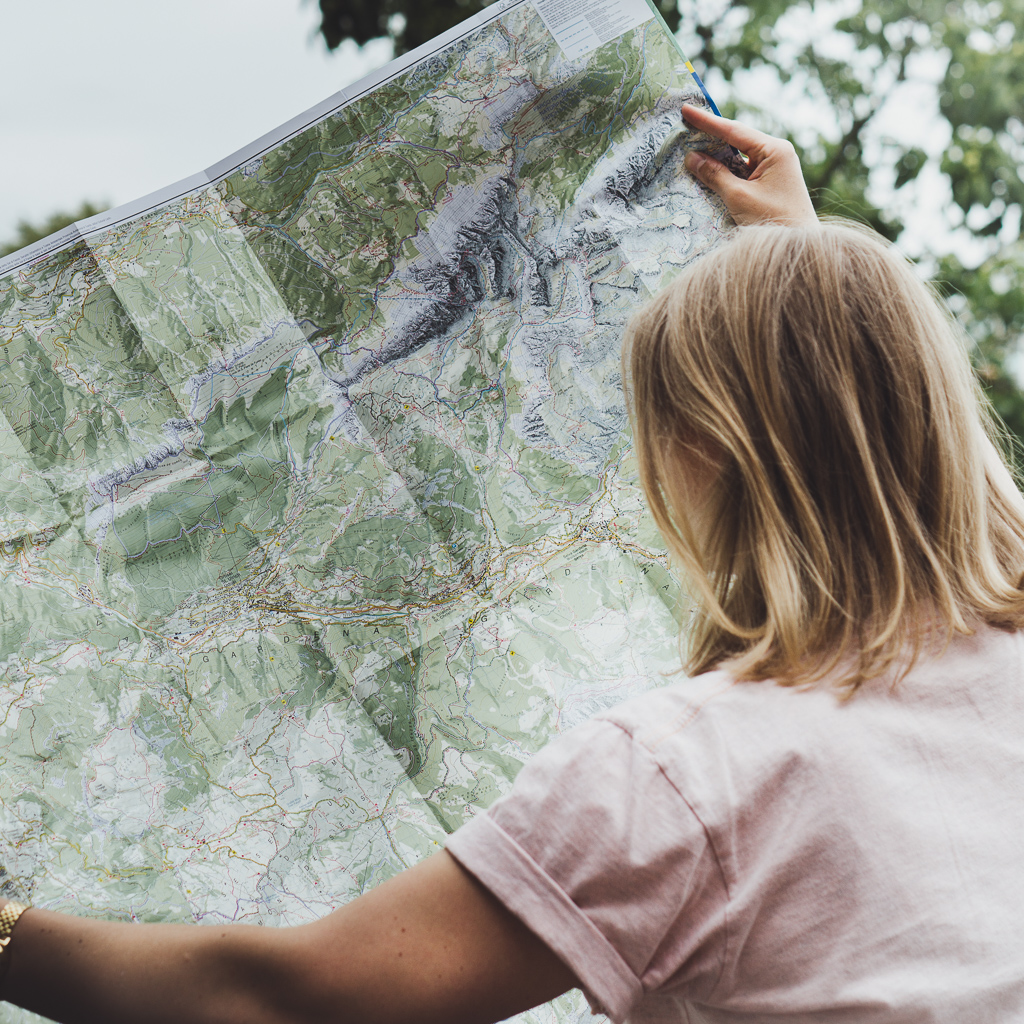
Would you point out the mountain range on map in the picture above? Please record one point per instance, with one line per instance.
(317, 503)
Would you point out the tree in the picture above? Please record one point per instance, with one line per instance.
(857, 168)
(410, 23)
(967, 59)
(29, 233)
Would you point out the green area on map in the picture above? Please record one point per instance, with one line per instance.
(317, 504)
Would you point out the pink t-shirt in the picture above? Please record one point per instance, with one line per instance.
(721, 851)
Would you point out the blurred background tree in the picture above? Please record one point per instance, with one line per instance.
(29, 233)
(409, 23)
(837, 73)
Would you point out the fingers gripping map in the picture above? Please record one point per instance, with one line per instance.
(317, 502)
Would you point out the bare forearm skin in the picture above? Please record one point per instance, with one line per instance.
(431, 946)
(81, 971)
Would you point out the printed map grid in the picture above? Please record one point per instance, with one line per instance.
(318, 508)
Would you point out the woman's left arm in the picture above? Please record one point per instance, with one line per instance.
(431, 944)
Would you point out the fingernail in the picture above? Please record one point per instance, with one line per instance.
(695, 161)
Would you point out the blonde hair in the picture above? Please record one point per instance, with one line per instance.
(819, 458)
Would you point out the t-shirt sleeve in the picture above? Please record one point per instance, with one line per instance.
(601, 857)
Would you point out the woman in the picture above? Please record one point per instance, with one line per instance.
(825, 824)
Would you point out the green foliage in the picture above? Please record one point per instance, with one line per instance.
(410, 22)
(29, 233)
(989, 301)
(857, 170)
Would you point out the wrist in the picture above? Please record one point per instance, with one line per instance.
(10, 913)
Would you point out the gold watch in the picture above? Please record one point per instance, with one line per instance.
(9, 915)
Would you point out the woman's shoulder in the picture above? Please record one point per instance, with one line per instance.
(981, 672)
(691, 704)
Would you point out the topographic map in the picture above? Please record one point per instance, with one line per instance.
(317, 505)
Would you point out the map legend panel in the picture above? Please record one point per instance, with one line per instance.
(581, 26)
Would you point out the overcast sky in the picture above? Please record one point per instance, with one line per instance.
(112, 99)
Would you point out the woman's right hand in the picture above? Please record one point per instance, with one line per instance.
(774, 192)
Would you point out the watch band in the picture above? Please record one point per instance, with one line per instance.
(9, 915)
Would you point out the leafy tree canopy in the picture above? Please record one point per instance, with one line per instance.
(410, 22)
(849, 59)
(28, 233)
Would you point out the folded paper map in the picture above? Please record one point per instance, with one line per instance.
(317, 504)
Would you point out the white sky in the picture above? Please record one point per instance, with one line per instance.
(113, 99)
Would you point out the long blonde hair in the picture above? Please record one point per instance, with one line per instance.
(853, 490)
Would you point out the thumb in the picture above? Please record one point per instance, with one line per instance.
(711, 172)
